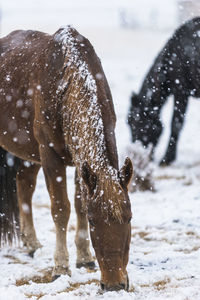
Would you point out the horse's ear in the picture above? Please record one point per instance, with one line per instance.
(89, 178)
(126, 172)
(135, 101)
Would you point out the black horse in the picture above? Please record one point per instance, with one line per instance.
(176, 71)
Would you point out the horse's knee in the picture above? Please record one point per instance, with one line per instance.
(60, 211)
(26, 176)
(63, 207)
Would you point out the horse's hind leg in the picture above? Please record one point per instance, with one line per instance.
(84, 257)
(26, 181)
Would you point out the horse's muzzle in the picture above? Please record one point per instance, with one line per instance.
(120, 286)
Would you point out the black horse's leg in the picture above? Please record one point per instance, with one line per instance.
(180, 106)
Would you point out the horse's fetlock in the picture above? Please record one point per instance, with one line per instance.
(88, 265)
(60, 270)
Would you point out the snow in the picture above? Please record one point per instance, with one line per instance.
(165, 246)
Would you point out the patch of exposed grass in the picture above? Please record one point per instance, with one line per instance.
(188, 251)
(15, 260)
(142, 234)
(169, 177)
(46, 277)
(158, 285)
(161, 284)
(76, 285)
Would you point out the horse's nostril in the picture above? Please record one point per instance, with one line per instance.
(102, 285)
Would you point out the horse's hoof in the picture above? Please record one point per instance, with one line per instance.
(31, 244)
(58, 271)
(164, 163)
(55, 277)
(31, 250)
(31, 253)
(88, 265)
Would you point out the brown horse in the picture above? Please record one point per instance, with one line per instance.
(57, 111)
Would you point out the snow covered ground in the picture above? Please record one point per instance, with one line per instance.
(165, 247)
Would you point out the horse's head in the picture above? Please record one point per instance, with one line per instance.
(143, 119)
(109, 216)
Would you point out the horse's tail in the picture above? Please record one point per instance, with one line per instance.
(9, 212)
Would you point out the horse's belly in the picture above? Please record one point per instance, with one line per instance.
(18, 139)
(26, 149)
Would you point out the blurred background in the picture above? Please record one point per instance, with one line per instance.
(48, 15)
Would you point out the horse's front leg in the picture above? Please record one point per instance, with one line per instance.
(26, 181)
(55, 176)
(180, 106)
(84, 257)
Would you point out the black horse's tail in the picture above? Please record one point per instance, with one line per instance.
(9, 212)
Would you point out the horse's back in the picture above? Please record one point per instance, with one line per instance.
(185, 51)
(20, 52)
(178, 61)
(188, 27)
(187, 35)
(19, 40)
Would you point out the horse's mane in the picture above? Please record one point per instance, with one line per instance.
(109, 196)
(82, 68)
(78, 83)
(71, 40)
(84, 119)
